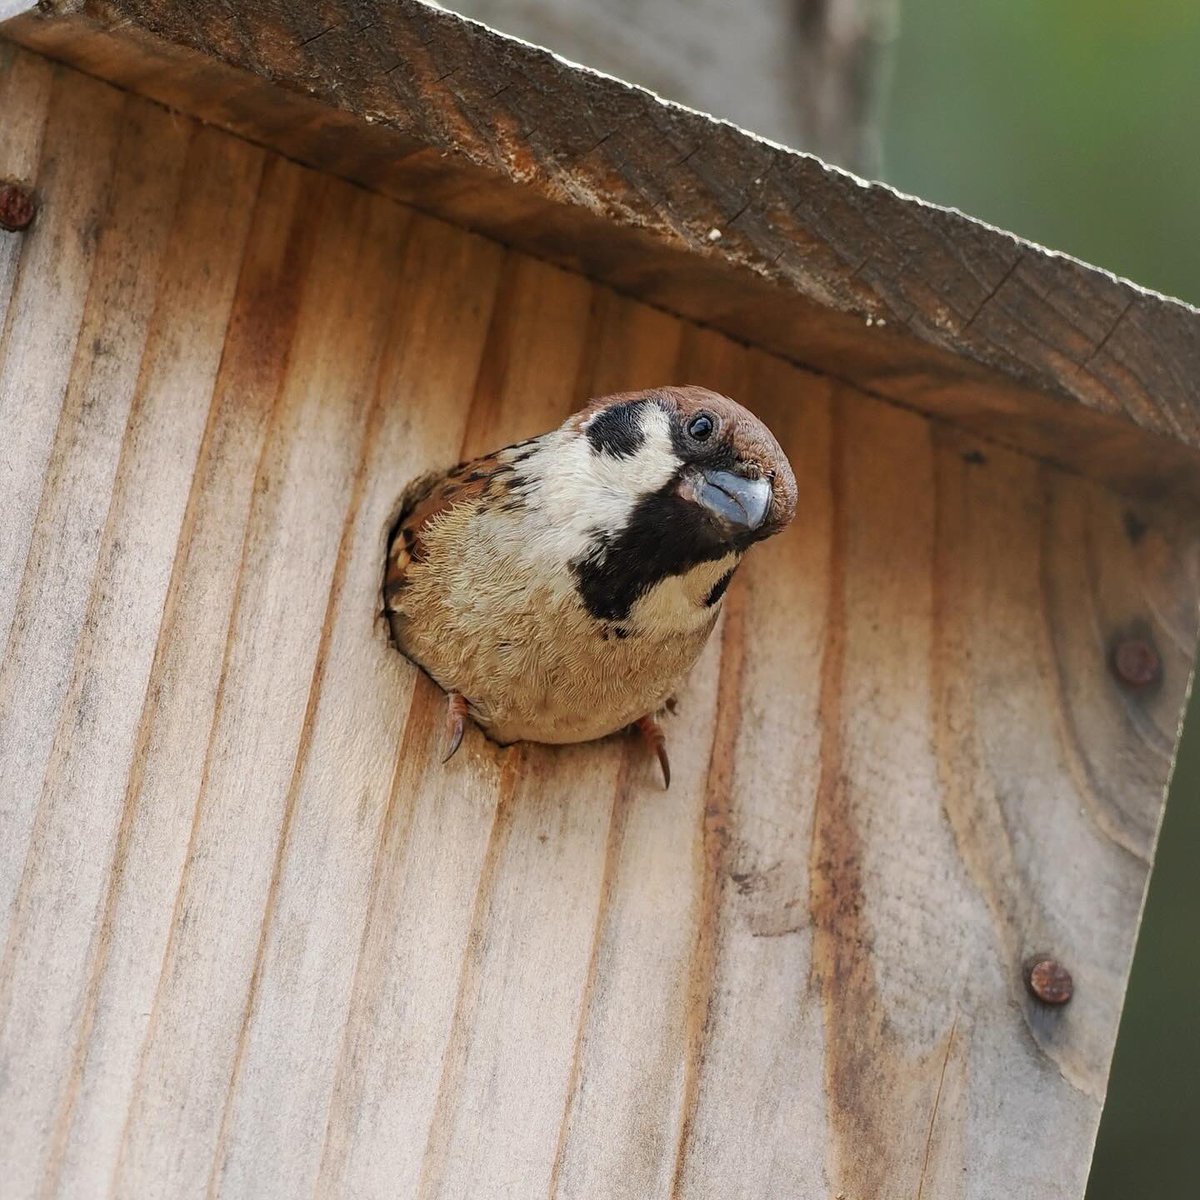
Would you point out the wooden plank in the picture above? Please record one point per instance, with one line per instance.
(46, 309)
(61, 464)
(197, 183)
(25, 81)
(910, 302)
(161, 791)
(260, 942)
(303, 484)
(303, 989)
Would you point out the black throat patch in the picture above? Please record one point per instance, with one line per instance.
(664, 536)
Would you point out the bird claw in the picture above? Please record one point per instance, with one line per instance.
(653, 736)
(456, 722)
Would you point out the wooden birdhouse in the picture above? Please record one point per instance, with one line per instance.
(258, 942)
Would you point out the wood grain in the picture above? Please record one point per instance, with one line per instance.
(901, 299)
(288, 1041)
(131, 936)
(813, 64)
(257, 942)
(90, 744)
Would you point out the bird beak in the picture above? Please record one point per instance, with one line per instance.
(733, 499)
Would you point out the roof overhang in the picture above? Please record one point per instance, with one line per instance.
(907, 301)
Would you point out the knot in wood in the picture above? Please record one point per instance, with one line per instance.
(18, 206)
(1136, 662)
(1049, 981)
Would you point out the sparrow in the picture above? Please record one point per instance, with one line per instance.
(559, 589)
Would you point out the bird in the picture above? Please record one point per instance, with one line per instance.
(559, 589)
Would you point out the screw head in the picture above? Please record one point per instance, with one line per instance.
(1048, 980)
(18, 205)
(1136, 663)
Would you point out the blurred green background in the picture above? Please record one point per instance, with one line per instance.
(1073, 122)
(1077, 123)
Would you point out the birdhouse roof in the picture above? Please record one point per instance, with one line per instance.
(913, 303)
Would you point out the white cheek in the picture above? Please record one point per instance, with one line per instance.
(650, 468)
(581, 491)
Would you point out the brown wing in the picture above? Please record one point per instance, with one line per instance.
(493, 477)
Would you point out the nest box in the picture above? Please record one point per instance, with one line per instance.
(258, 942)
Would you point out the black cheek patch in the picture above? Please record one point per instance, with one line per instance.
(618, 430)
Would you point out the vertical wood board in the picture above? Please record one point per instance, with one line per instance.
(257, 942)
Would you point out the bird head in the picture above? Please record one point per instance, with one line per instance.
(691, 477)
(697, 460)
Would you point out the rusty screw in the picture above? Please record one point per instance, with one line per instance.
(18, 205)
(1136, 662)
(1049, 980)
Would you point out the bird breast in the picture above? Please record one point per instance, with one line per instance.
(493, 612)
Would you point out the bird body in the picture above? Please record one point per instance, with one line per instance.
(564, 586)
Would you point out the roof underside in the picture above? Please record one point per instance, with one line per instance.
(913, 303)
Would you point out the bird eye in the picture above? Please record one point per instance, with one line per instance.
(700, 427)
